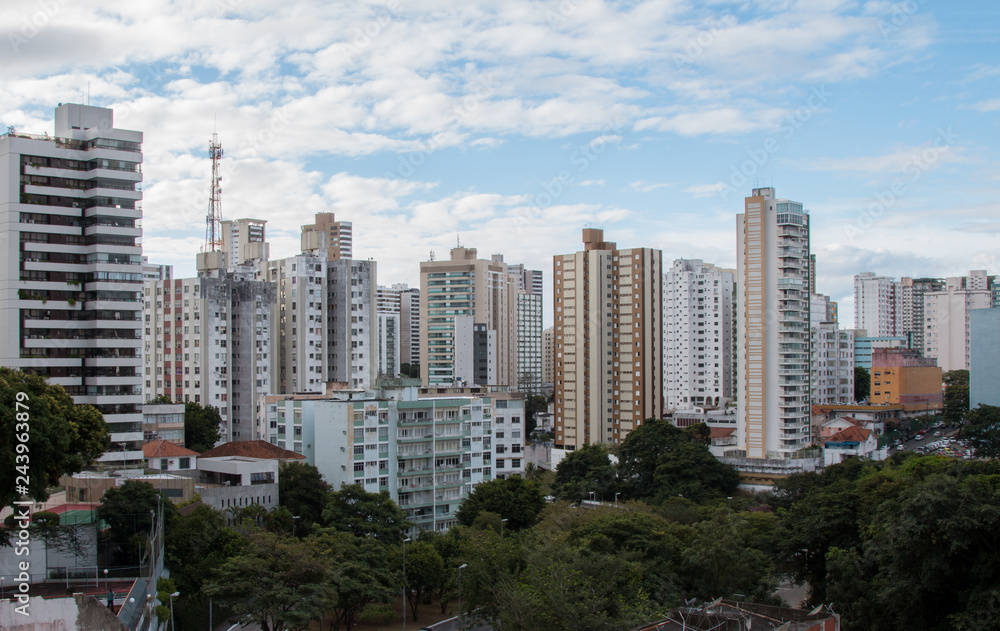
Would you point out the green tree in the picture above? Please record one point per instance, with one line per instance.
(128, 509)
(424, 572)
(60, 437)
(982, 428)
(862, 383)
(956, 395)
(364, 514)
(304, 492)
(363, 576)
(515, 499)
(281, 583)
(409, 370)
(532, 405)
(201, 426)
(196, 545)
(658, 460)
(585, 470)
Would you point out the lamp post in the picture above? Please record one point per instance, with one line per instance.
(405, 541)
(460, 594)
(616, 498)
(172, 596)
(3, 596)
(294, 518)
(502, 521)
(591, 496)
(106, 588)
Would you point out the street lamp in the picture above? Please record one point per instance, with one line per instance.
(591, 496)
(460, 594)
(106, 580)
(172, 596)
(405, 541)
(617, 493)
(294, 517)
(2, 595)
(502, 521)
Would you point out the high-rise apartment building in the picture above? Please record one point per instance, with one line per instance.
(529, 329)
(328, 234)
(457, 295)
(831, 375)
(243, 241)
(697, 334)
(208, 340)
(388, 344)
(878, 305)
(913, 291)
(947, 312)
(71, 278)
(409, 325)
(773, 305)
(153, 271)
(607, 305)
(548, 357)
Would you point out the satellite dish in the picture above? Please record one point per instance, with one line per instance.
(818, 609)
(714, 603)
(784, 627)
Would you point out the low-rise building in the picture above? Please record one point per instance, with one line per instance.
(903, 377)
(163, 421)
(852, 441)
(165, 456)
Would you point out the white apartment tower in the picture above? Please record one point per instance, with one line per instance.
(913, 291)
(697, 335)
(529, 329)
(334, 238)
(946, 313)
(608, 346)
(831, 374)
(878, 305)
(772, 279)
(71, 275)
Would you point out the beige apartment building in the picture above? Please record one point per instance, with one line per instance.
(336, 237)
(773, 341)
(608, 363)
(468, 321)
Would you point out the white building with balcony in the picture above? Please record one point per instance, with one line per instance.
(71, 269)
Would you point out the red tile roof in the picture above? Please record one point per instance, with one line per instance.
(722, 432)
(850, 435)
(252, 449)
(165, 449)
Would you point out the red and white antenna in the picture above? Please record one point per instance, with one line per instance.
(213, 221)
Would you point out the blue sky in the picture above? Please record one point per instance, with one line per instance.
(513, 124)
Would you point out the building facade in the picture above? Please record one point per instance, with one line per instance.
(913, 290)
(878, 305)
(697, 335)
(71, 276)
(208, 340)
(946, 313)
(244, 242)
(773, 307)
(984, 357)
(831, 375)
(454, 293)
(903, 377)
(334, 238)
(608, 373)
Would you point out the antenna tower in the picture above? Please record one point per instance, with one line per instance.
(213, 221)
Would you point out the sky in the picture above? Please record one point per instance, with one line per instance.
(511, 125)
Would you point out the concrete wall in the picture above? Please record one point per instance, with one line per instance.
(74, 613)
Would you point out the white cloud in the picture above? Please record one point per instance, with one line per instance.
(646, 187)
(705, 190)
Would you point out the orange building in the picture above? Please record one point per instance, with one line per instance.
(902, 377)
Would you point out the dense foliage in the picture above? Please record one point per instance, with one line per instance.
(982, 428)
(956, 395)
(59, 437)
(862, 384)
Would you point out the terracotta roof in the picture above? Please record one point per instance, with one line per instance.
(252, 449)
(165, 449)
(850, 435)
(722, 432)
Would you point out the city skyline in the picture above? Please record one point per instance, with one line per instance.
(536, 119)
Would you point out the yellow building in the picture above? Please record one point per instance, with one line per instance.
(903, 377)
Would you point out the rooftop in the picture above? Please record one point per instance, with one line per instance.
(252, 449)
(165, 449)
